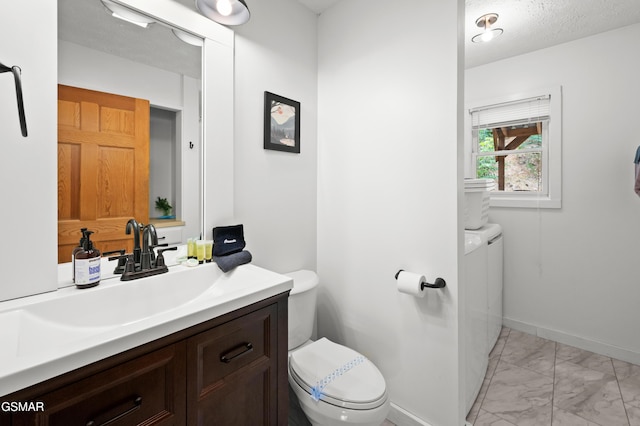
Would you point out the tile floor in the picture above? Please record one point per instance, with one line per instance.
(532, 381)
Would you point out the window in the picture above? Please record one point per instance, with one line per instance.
(517, 143)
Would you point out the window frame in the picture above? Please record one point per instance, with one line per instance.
(551, 196)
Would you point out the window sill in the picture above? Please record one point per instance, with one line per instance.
(520, 201)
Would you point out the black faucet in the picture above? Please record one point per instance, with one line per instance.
(150, 241)
(143, 263)
(132, 225)
(151, 233)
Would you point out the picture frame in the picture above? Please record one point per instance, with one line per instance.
(281, 123)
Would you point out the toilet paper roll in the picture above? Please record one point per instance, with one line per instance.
(410, 283)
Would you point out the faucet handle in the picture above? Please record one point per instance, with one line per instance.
(160, 259)
(122, 260)
(130, 265)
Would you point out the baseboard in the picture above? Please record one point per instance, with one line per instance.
(578, 342)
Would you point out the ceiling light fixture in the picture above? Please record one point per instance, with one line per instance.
(188, 38)
(225, 12)
(126, 14)
(485, 22)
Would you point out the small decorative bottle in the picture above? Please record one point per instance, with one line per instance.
(87, 264)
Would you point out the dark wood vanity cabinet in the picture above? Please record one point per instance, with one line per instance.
(231, 370)
(146, 390)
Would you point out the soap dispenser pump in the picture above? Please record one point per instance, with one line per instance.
(87, 264)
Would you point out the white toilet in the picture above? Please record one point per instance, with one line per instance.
(335, 385)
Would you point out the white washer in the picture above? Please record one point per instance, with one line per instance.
(475, 295)
(491, 233)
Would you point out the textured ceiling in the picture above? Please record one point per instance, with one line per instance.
(88, 23)
(536, 24)
(532, 24)
(528, 25)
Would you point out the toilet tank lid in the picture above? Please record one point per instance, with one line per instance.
(303, 280)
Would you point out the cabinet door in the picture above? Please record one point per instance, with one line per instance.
(232, 372)
(148, 390)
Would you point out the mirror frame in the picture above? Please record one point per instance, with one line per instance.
(217, 129)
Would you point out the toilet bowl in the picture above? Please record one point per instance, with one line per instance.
(334, 384)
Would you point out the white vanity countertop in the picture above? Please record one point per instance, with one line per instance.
(49, 334)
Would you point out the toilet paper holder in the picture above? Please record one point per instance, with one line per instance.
(439, 283)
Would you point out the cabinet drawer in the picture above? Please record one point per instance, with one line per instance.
(148, 390)
(232, 372)
(232, 346)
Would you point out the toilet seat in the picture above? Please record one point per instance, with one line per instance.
(350, 380)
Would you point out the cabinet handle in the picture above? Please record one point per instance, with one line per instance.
(136, 404)
(236, 352)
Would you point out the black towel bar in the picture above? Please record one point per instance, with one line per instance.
(16, 76)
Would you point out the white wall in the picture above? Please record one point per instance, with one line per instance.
(571, 273)
(389, 90)
(88, 68)
(275, 195)
(27, 172)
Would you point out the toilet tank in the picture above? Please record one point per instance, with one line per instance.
(302, 306)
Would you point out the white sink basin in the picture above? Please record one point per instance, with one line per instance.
(49, 334)
(21, 334)
(82, 313)
(117, 303)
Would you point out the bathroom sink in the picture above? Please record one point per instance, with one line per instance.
(21, 334)
(116, 303)
(52, 333)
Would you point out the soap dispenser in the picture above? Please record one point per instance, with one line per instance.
(87, 264)
(78, 248)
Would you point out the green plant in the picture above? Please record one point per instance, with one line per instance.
(163, 204)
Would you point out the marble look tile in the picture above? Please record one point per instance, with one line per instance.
(387, 423)
(564, 418)
(626, 370)
(519, 395)
(530, 352)
(633, 413)
(629, 378)
(487, 419)
(630, 390)
(584, 358)
(589, 394)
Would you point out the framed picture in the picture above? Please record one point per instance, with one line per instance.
(281, 123)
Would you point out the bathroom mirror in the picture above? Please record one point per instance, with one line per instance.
(161, 64)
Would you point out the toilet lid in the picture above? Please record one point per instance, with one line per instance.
(338, 375)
